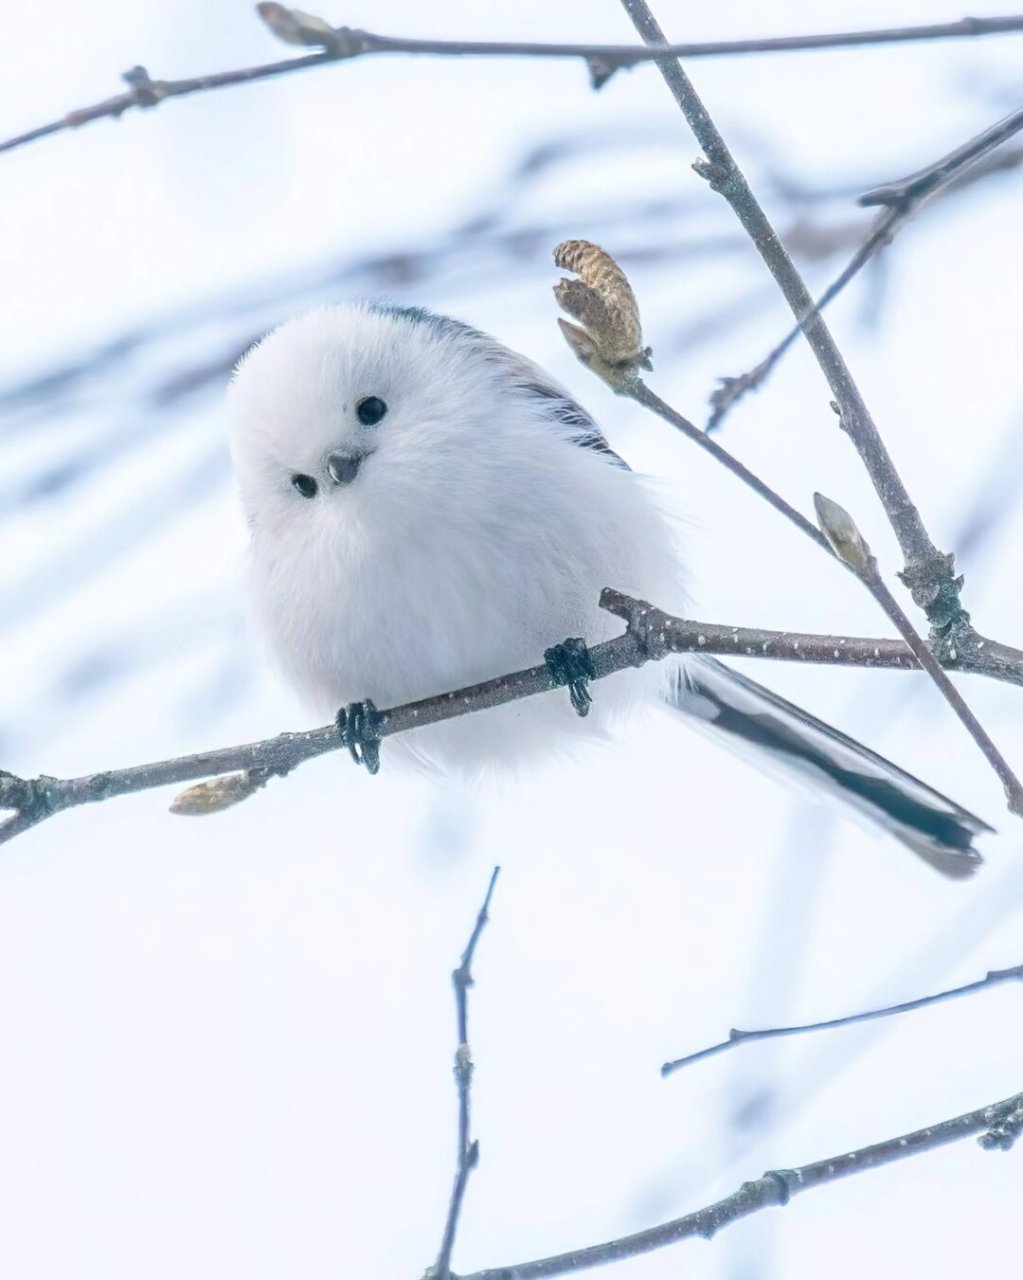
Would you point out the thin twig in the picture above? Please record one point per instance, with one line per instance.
(850, 545)
(998, 1124)
(960, 648)
(468, 1148)
(882, 594)
(929, 574)
(901, 201)
(737, 1037)
(636, 389)
(933, 177)
(651, 635)
(733, 388)
(603, 60)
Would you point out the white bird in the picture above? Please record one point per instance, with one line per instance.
(429, 509)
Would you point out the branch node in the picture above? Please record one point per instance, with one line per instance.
(463, 1056)
(32, 798)
(145, 90)
(955, 642)
(602, 68)
(717, 176)
(643, 621)
(731, 389)
(1002, 1136)
(935, 588)
(15, 792)
(782, 1180)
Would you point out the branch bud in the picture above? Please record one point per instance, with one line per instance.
(295, 27)
(840, 529)
(216, 794)
(610, 339)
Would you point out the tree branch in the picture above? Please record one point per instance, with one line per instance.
(636, 389)
(959, 648)
(609, 343)
(468, 1149)
(900, 201)
(941, 173)
(998, 1124)
(341, 44)
(735, 1037)
(651, 635)
(928, 573)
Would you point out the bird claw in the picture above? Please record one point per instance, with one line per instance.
(357, 729)
(570, 664)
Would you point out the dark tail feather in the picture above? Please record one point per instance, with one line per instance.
(930, 824)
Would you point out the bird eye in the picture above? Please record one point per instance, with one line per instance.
(370, 410)
(306, 485)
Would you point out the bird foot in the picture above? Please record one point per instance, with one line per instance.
(357, 729)
(570, 664)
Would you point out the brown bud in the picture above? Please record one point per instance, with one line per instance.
(605, 306)
(216, 794)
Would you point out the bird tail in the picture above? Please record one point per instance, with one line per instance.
(747, 714)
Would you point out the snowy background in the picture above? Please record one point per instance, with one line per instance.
(227, 1043)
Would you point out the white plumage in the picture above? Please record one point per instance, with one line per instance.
(460, 535)
(477, 533)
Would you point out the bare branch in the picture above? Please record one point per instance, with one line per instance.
(735, 1037)
(959, 648)
(732, 389)
(468, 1148)
(637, 390)
(901, 201)
(650, 636)
(927, 181)
(341, 44)
(927, 572)
(849, 544)
(998, 1124)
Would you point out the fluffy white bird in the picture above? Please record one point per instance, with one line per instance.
(429, 509)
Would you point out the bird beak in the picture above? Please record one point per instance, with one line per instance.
(343, 467)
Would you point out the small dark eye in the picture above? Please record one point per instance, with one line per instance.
(370, 410)
(306, 485)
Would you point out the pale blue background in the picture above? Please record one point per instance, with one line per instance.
(227, 1043)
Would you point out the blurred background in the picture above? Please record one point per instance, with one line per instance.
(227, 1043)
